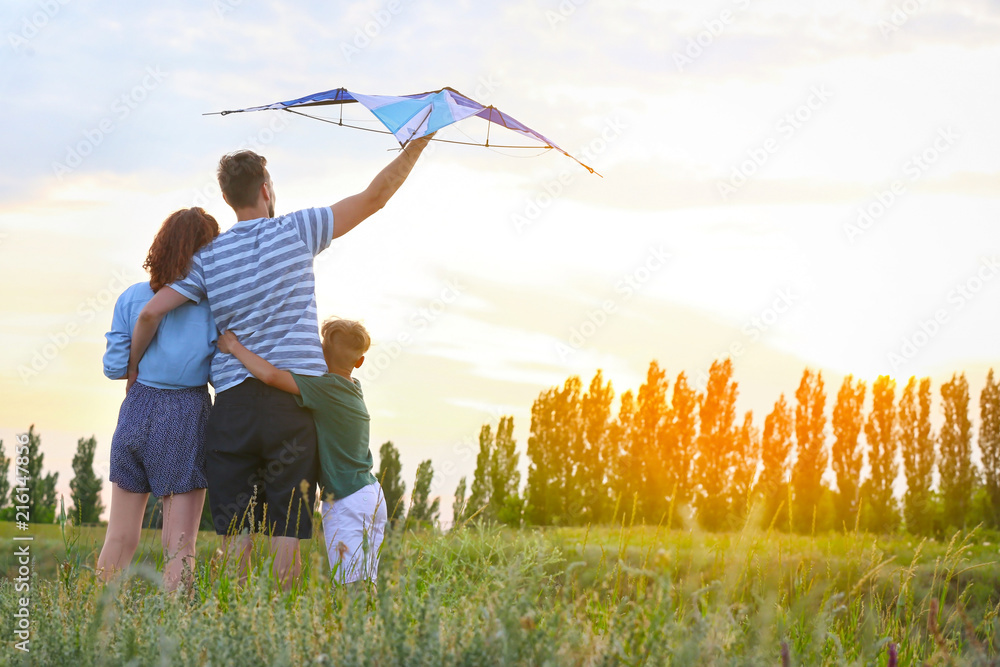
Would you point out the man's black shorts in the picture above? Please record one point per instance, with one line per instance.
(262, 462)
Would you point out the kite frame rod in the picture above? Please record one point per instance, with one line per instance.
(444, 141)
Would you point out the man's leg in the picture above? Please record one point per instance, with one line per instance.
(238, 549)
(287, 560)
(292, 464)
(236, 474)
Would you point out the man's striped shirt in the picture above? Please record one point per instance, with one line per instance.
(258, 279)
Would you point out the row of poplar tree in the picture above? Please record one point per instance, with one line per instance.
(85, 487)
(675, 454)
(86, 505)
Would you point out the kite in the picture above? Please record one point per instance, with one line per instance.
(410, 117)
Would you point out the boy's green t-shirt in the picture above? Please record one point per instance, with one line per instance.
(342, 421)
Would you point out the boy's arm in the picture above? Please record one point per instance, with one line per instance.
(261, 368)
(350, 212)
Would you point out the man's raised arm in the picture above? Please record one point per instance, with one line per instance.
(146, 325)
(350, 212)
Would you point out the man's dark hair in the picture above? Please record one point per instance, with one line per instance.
(240, 176)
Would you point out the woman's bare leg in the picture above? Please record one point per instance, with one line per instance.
(181, 518)
(124, 531)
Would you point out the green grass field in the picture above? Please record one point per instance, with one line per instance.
(627, 596)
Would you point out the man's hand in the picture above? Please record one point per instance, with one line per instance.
(421, 142)
(148, 322)
(227, 342)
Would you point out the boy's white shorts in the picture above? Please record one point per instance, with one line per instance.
(353, 528)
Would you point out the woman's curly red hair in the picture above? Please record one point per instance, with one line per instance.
(181, 235)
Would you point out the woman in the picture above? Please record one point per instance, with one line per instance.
(159, 443)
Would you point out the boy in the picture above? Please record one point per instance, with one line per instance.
(354, 512)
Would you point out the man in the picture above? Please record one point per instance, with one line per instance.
(261, 453)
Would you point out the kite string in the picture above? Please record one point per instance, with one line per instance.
(492, 147)
(340, 123)
(444, 141)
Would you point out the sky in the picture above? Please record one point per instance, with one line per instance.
(790, 184)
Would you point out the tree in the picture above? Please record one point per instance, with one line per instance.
(42, 496)
(206, 515)
(85, 487)
(423, 513)
(648, 458)
(390, 475)
(481, 482)
(555, 438)
(458, 508)
(495, 484)
(716, 445)
(989, 446)
(746, 456)
(594, 466)
(681, 444)
(847, 453)
(152, 516)
(880, 431)
(4, 478)
(620, 440)
(916, 443)
(811, 454)
(957, 475)
(775, 450)
(504, 503)
(541, 490)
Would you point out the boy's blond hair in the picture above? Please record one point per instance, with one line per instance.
(344, 341)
